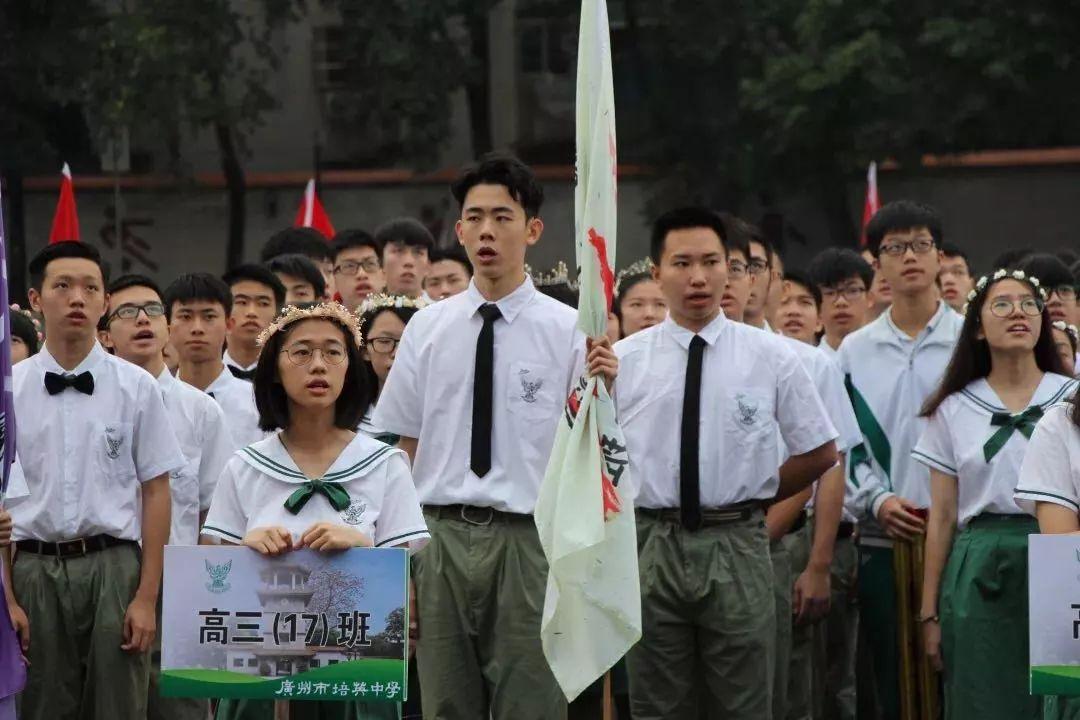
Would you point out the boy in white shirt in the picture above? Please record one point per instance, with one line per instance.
(257, 296)
(96, 447)
(891, 366)
(843, 278)
(708, 610)
(137, 331)
(475, 392)
(198, 308)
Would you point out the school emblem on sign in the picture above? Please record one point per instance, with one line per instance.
(529, 388)
(354, 514)
(746, 410)
(112, 442)
(217, 574)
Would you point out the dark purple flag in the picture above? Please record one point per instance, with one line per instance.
(12, 668)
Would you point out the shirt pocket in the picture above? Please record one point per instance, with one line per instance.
(531, 393)
(111, 449)
(748, 414)
(184, 489)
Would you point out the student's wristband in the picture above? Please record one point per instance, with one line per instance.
(923, 619)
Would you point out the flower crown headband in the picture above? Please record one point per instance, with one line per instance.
(1070, 330)
(378, 301)
(1001, 274)
(333, 311)
(643, 265)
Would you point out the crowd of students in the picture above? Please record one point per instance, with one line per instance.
(830, 469)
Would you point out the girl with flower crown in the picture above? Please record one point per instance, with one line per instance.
(1003, 376)
(382, 322)
(315, 484)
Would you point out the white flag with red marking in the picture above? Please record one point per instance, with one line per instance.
(592, 611)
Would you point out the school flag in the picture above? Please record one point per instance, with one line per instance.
(65, 223)
(592, 610)
(872, 203)
(12, 668)
(312, 214)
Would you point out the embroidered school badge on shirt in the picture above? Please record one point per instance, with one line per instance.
(112, 443)
(529, 388)
(354, 514)
(217, 574)
(746, 411)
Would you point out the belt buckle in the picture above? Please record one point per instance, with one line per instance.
(79, 543)
(490, 515)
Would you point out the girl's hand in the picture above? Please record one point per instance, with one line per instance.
(330, 537)
(269, 540)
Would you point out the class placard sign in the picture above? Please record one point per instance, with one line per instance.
(1054, 602)
(301, 626)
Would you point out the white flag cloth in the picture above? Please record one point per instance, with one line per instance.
(592, 610)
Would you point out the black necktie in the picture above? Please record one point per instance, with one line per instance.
(482, 393)
(248, 375)
(689, 487)
(55, 383)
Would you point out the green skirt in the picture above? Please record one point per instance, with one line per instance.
(230, 709)
(984, 621)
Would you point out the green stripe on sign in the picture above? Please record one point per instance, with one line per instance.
(1055, 680)
(871, 429)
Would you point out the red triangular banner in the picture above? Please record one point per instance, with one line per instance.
(311, 213)
(872, 203)
(65, 224)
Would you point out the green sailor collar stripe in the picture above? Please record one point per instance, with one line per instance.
(1008, 424)
(275, 469)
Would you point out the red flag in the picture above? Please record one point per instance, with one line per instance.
(311, 213)
(65, 223)
(872, 203)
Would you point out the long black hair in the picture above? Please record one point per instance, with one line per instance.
(367, 320)
(971, 358)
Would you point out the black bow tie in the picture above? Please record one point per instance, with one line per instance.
(56, 383)
(248, 375)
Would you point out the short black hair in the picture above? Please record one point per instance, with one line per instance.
(737, 234)
(348, 239)
(273, 404)
(297, 240)
(680, 219)
(60, 250)
(23, 328)
(954, 251)
(1012, 258)
(799, 278)
(299, 266)
(133, 280)
(456, 254)
(506, 170)
(759, 237)
(834, 265)
(902, 215)
(1068, 256)
(259, 274)
(1049, 270)
(193, 287)
(405, 230)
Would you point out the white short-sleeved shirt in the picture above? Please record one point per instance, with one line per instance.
(259, 479)
(230, 360)
(754, 393)
(199, 424)
(85, 456)
(237, 398)
(1050, 472)
(368, 427)
(539, 353)
(828, 350)
(953, 441)
(16, 487)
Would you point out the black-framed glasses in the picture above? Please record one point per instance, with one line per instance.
(349, 268)
(302, 354)
(130, 311)
(757, 266)
(920, 246)
(1003, 307)
(383, 345)
(1065, 292)
(736, 269)
(851, 293)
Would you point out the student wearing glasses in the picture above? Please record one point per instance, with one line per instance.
(1004, 375)
(843, 278)
(358, 271)
(1059, 284)
(136, 330)
(382, 322)
(909, 345)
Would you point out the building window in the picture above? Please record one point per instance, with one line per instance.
(314, 662)
(252, 662)
(332, 662)
(238, 662)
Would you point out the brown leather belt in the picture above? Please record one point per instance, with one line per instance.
(71, 548)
